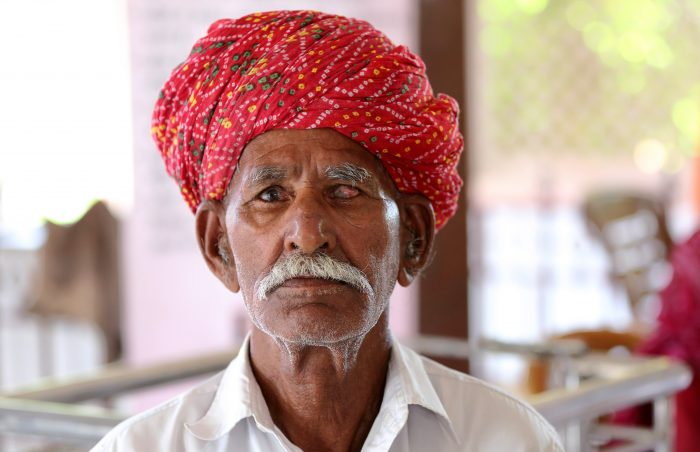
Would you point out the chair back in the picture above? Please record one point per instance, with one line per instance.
(632, 228)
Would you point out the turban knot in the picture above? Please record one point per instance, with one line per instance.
(305, 70)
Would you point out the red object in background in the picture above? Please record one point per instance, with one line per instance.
(677, 335)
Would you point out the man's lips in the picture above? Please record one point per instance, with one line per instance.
(308, 283)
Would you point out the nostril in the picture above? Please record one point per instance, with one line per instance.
(325, 246)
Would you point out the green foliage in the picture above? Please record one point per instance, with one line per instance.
(593, 75)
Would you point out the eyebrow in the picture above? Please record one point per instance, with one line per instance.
(266, 174)
(348, 172)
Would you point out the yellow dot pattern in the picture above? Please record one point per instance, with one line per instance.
(305, 70)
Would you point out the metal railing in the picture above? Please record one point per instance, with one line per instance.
(116, 379)
(577, 410)
(617, 383)
(57, 421)
(48, 409)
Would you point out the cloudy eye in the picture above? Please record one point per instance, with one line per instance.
(272, 194)
(345, 192)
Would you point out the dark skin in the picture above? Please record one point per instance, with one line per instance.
(319, 348)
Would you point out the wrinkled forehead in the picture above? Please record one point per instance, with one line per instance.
(284, 153)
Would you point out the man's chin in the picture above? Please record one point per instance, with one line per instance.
(314, 334)
(315, 320)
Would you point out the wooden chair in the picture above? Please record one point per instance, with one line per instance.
(78, 276)
(539, 370)
(632, 228)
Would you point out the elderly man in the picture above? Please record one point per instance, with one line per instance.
(319, 165)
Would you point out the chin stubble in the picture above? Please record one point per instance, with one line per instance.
(344, 348)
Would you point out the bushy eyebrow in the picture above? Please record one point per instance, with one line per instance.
(266, 174)
(348, 172)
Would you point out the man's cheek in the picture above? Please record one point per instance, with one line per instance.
(246, 278)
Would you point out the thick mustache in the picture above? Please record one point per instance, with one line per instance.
(319, 266)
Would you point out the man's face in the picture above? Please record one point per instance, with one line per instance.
(305, 193)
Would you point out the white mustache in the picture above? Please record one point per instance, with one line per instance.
(319, 266)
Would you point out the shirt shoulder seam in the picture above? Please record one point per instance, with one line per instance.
(438, 370)
(204, 388)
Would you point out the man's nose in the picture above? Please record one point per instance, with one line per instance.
(310, 229)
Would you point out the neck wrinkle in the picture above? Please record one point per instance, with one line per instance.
(323, 397)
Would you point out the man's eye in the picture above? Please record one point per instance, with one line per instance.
(345, 192)
(272, 194)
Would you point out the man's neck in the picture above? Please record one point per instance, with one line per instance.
(323, 398)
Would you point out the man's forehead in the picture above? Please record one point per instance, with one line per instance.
(281, 153)
(345, 171)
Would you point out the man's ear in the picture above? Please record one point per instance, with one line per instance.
(210, 226)
(417, 236)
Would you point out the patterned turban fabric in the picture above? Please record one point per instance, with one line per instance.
(306, 70)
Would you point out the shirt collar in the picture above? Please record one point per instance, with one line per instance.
(407, 375)
(239, 396)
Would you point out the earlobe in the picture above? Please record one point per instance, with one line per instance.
(211, 236)
(417, 236)
(405, 277)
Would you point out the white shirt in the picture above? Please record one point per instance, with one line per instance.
(426, 407)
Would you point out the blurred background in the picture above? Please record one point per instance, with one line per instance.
(582, 173)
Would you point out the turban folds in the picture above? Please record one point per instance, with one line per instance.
(305, 70)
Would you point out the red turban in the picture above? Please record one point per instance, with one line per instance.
(305, 70)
